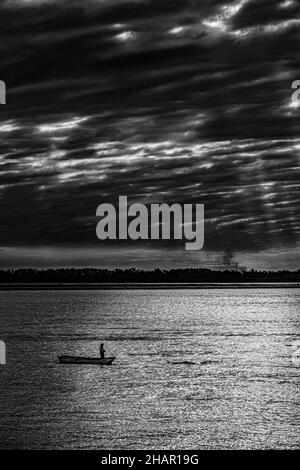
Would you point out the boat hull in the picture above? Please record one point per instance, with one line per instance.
(85, 360)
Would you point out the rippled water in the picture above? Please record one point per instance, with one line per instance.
(195, 369)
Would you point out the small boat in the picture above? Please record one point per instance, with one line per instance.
(85, 360)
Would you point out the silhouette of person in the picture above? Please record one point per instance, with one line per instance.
(102, 351)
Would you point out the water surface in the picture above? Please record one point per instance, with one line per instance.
(195, 369)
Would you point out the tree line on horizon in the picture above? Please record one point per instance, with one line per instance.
(132, 275)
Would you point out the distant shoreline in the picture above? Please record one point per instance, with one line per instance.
(148, 286)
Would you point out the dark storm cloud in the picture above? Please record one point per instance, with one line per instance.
(162, 101)
(264, 12)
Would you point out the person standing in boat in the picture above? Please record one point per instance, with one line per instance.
(102, 351)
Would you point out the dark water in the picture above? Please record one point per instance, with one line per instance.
(196, 369)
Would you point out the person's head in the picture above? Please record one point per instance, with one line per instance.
(101, 345)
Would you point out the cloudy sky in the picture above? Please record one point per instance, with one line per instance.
(160, 100)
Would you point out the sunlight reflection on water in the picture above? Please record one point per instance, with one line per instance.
(195, 369)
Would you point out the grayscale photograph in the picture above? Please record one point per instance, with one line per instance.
(150, 229)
